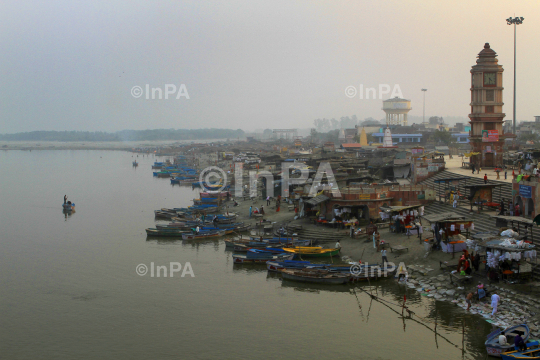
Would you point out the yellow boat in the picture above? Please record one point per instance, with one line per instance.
(312, 251)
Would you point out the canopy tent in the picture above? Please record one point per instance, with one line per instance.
(317, 200)
(502, 221)
(397, 209)
(451, 224)
(454, 181)
(433, 218)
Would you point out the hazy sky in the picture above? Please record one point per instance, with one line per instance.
(71, 65)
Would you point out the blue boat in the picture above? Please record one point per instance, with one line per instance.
(532, 352)
(259, 256)
(492, 343)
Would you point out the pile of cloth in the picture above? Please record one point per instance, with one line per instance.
(493, 259)
(509, 233)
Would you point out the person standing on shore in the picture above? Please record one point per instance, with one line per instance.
(384, 258)
(374, 239)
(494, 303)
(65, 199)
(250, 210)
(268, 200)
(377, 241)
(485, 178)
(468, 300)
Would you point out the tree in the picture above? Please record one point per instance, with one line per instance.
(444, 137)
(436, 120)
(528, 137)
(332, 135)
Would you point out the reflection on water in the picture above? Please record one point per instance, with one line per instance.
(68, 213)
(70, 288)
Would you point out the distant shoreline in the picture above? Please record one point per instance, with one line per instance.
(97, 145)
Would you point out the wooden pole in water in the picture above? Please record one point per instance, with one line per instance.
(463, 338)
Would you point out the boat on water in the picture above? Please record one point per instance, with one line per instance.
(260, 256)
(256, 243)
(312, 251)
(164, 214)
(229, 229)
(492, 343)
(532, 352)
(68, 207)
(202, 235)
(286, 264)
(315, 276)
(365, 272)
(165, 232)
(215, 194)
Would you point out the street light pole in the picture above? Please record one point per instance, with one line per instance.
(424, 114)
(514, 21)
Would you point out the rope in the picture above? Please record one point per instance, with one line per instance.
(410, 312)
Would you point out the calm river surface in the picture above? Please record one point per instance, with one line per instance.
(69, 289)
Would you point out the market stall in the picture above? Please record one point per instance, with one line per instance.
(451, 185)
(402, 219)
(446, 226)
(508, 258)
(481, 196)
(510, 221)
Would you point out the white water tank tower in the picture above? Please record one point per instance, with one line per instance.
(396, 110)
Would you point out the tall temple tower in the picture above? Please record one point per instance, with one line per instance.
(486, 135)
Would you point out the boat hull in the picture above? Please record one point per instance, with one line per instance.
(245, 259)
(492, 346)
(329, 279)
(202, 236)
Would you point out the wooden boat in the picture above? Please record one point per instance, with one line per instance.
(203, 235)
(260, 246)
(232, 243)
(312, 251)
(492, 343)
(371, 273)
(286, 264)
(289, 241)
(68, 207)
(532, 352)
(315, 276)
(164, 214)
(259, 256)
(215, 194)
(162, 232)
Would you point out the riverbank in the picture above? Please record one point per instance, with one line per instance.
(96, 145)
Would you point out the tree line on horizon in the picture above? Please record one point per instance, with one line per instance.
(125, 135)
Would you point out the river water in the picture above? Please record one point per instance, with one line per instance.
(69, 286)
